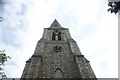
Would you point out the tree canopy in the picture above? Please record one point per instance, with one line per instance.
(114, 7)
(3, 59)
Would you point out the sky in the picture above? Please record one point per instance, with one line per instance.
(90, 24)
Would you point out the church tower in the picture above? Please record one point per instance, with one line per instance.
(57, 55)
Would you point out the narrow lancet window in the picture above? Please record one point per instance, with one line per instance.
(53, 36)
(59, 36)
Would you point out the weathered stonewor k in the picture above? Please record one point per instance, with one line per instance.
(57, 55)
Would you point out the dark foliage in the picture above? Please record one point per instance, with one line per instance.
(114, 7)
(3, 59)
(1, 19)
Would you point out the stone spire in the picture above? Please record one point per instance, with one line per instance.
(55, 24)
(57, 55)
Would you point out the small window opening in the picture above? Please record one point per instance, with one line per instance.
(59, 36)
(53, 36)
(58, 73)
(56, 35)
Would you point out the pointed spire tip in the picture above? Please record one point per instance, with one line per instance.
(55, 24)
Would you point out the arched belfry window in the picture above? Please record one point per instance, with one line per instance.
(58, 73)
(56, 35)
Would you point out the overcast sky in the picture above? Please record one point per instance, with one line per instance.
(90, 25)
